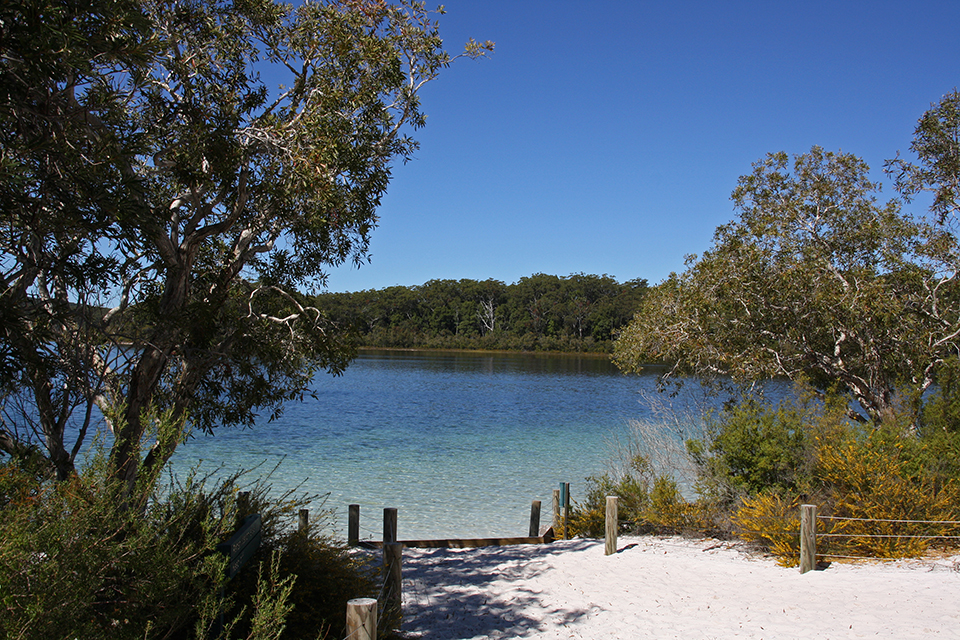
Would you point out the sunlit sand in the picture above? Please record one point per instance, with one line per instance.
(670, 588)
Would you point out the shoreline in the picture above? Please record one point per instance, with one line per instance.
(591, 354)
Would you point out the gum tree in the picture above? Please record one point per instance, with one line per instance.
(815, 279)
(245, 155)
(936, 143)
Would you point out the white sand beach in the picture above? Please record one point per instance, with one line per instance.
(671, 587)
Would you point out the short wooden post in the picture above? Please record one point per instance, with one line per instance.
(389, 525)
(565, 499)
(304, 527)
(556, 511)
(353, 525)
(535, 519)
(362, 619)
(808, 537)
(611, 526)
(243, 506)
(393, 580)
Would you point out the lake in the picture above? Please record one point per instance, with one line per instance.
(459, 442)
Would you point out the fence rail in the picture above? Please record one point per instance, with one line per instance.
(809, 535)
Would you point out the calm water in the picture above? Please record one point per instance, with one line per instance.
(459, 443)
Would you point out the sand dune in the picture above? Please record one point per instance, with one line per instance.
(670, 588)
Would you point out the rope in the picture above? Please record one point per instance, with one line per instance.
(882, 535)
(832, 555)
(884, 520)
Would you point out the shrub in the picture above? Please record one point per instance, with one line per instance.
(72, 564)
(773, 522)
(75, 565)
(326, 573)
(589, 518)
(870, 481)
(751, 447)
(648, 504)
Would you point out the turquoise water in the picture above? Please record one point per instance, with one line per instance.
(459, 443)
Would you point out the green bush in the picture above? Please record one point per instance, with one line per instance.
(648, 503)
(752, 447)
(327, 573)
(73, 564)
(588, 519)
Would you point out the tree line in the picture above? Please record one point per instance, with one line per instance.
(537, 313)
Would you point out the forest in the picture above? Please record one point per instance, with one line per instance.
(537, 313)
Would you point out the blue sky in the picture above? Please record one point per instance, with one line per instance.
(606, 137)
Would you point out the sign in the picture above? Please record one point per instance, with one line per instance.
(242, 544)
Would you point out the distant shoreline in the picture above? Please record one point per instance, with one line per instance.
(591, 354)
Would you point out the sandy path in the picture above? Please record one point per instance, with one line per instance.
(669, 588)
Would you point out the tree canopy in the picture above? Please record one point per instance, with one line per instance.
(815, 279)
(174, 175)
(540, 312)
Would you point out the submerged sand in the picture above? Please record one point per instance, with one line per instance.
(670, 587)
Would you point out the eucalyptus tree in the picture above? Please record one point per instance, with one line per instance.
(244, 152)
(815, 279)
(936, 143)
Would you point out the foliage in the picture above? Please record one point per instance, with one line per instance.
(814, 280)
(178, 173)
(873, 476)
(936, 143)
(76, 566)
(325, 573)
(866, 484)
(73, 563)
(588, 519)
(753, 445)
(871, 479)
(648, 503)
(537, 313)
(772, 521)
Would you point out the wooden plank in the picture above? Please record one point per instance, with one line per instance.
(390, 524)
(611, 526)
(393, 582)
(353, 525)
(534, 519)
(808, 537)
(464, 543)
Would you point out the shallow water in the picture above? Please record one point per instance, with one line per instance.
(459, 443)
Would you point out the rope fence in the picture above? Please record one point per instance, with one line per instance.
(860, 539)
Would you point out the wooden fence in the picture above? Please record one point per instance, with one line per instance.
(808, 534)
(363, 616)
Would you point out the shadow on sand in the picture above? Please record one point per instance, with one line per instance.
(449, 593)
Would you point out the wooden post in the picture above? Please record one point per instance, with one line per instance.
(243, 506)
(556, 511)
(353, 525)
(808, 537)
(393, 580)
(535, 519)
(389, 525)
(612, 525)
(304, 527)
(565, 499)
(362, 619)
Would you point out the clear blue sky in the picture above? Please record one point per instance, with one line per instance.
(605, 137)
